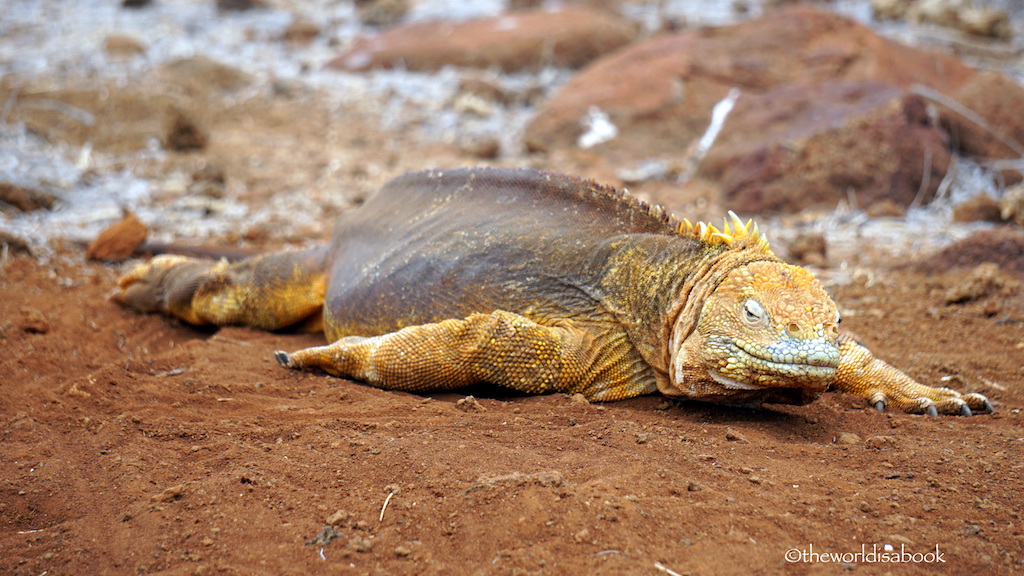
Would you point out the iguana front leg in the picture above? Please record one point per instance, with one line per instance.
(269, 292)
(501, 348)
(862, 374)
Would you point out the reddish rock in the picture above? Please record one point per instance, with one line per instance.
(381, 12)
(660, 92)
(199, 72)
(995, 100)
(1002, 245)
(25, 198)
(827, 106)
(184, 134)
(240, 5)
(809, 146)
(123, 45)
(515, 41)
(300, 31)
(118, 241)
(980, 208)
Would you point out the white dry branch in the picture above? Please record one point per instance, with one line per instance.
(385, 506)
(718, 115)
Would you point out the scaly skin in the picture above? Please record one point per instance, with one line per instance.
(542, 283)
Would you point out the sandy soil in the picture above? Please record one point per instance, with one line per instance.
(135, 444)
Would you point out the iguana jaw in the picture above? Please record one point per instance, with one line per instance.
(725, 372)
(788, 363)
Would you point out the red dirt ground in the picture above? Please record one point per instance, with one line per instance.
(134, 444)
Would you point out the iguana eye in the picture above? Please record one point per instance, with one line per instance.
(753, 313)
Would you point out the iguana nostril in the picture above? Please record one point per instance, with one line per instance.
(794, 330)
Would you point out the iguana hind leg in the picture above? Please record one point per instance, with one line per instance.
(269, 292)
(883, 386)
(501, 348)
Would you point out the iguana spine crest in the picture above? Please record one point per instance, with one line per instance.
(734, 232)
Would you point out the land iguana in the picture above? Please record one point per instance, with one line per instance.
(542, 282)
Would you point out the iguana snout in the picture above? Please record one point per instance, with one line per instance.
(768, 325)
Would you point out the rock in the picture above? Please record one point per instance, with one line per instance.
(847, 438)
(123, 45)
(10, 243)
(996, 101)
(980, 208)
(209, 181)
(983, 281)
(1011, 205)
(119, 241)
(483, 147)
(360, 544)
(486, 88)
(662, 90)
(239, 5)
(578, 399)
(808, 249)
(512, 42)
(889, 9)
(184, 134)
(871, 139)
(986, 22)
(200, 72)
(25, 198)
(338, 518)
(525, 4)
(545, 479)
(470, 404)
(1003, 246)
(880, 443)
(300, 32)
(326, 535)
(885, 208)
(381, 12)
(733, 435)
(170, 494)
(858, 94)
(33, 321)
(956, 14)
(939, 12)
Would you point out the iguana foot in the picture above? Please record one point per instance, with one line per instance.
(279, 290)
(884, 387)
(165, 284)
(932, 401)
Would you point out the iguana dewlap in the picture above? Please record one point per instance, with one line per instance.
(542, 282)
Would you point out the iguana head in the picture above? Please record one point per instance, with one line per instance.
(768, 332)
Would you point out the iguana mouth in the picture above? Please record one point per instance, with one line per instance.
(788, 363)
